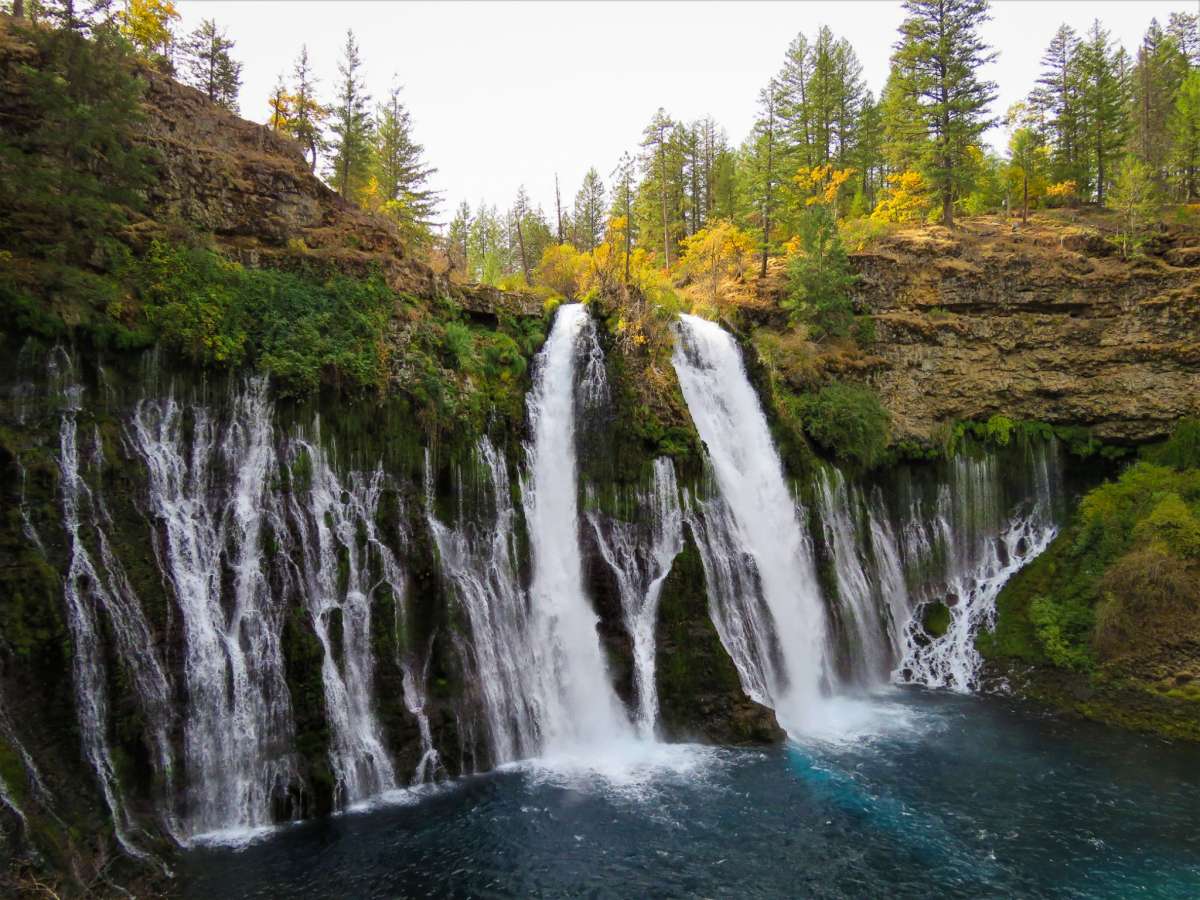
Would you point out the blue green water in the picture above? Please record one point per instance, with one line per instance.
(936, 795)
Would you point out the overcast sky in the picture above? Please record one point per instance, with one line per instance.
(508, 93)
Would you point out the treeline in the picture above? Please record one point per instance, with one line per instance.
(366, 152)
(1101, 127)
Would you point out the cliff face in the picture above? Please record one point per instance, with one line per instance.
(1043, 323)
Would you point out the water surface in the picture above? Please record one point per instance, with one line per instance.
(918, 794)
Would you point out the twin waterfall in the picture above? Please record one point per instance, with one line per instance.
(272, 549)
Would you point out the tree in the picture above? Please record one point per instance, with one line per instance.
(939, 57)
(308, 115)
(1056, 99)
(1135, 198)
(456, 238)
(1185, 134)
(1102, 105)
(147, 24)
(400, 173)
(1158, 72)
(622, 206)
(281, 107)
(762, 171)
(210, 67)
(559, 270)
(904, 135)
(655, 153)
(716, 260)
(589, 212)
(1027, 156)
(351, 125)
(819, 277)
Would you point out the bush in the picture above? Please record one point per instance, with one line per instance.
(819, 277)
(1149, 595)
(1062, 630)
(848, 421)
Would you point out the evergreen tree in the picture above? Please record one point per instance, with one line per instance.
(657, 204)
(351, 125)
(904, 135)
(763, 172)
(308, 115)
(1158, 72)
(457, 237)
(281, 107)
(624, 181)
(939, 55)
(1185, 136)
(1185, 29)
(1056, 98)
(1103, 97)
(589, 212)
(400, 173)
(209, 66)
(1027, 156)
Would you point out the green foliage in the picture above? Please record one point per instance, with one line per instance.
(1062, 629)
(819, 277)
(295, 327)
(848, 421)
(936, 620)
(69, 173)
(1182, 448)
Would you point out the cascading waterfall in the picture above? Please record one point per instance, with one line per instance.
(640, 554)
(858, 587)
(88, 590)
(415, 678)
(757, 563)
(342, 552)
(983, 544)
(237, 731)
(575, 703)
(478, 562)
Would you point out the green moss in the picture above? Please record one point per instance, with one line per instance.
(848, 421)
(936, 620)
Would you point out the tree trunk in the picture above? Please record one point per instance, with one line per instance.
(1025, 201)
(18, 9)
(521, 244)
(558, 208)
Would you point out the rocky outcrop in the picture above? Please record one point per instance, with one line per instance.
(1043, 323)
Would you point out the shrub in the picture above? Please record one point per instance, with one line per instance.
(819, 277)
(1062, 630)
(848, 421)
(1148, 595)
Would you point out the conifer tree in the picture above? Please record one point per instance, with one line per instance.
(457, 236)
(399, 171)
(624, 180)
(763, 171)
(281, 107)
(939, 57)
(656, 181)
(589, 212)
(1103, 94)
(308, 115)
(210, 67)
(1056, 100)
(351, 125)
(1158, 72)
(1185, 136)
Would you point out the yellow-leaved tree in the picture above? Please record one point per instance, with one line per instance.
(561, 271)
(822, 184)
(716, 263)
(907, 199)
(147, 24)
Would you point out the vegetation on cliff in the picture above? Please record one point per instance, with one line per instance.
(1114, 603)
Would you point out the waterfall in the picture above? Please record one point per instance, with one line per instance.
(574, 698)
(344, 563)
(237, 731)
(858, 584)
(640, 554)
(757, 563)
(87, 591)
(982, 542)
(478, 563)
(415, 678)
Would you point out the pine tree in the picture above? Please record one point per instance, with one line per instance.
(939, 56)
(1185, 29)
(763, 172)
(400, 173)
(1184, 126)
(1103, 93)
(308, 115)
(457, 236)
(589, 212)
(209, 65)
(904, 138)
(351, 125)
(657, 194)
(1056, 98)
(624, 181)
(1157, 74)
(1027, 156)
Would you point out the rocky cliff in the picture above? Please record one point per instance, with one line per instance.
(1042, 323)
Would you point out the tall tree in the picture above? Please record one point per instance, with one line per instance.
(281, 107)
(905, 136)
(1185, 136)
(457, 236)
(1027, 156)
(1103, 93)
(657, 171)
(308, 115)
(939, 55)
(1056, 98)
(1185, 29)
(1158, 72)
(400, 173)
(762, 170)
(589, 212)
(624, 179)
(210, 67)
(351, 124)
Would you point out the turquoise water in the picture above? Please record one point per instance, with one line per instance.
(928, 795)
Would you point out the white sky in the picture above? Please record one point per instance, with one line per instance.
(508, 93)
